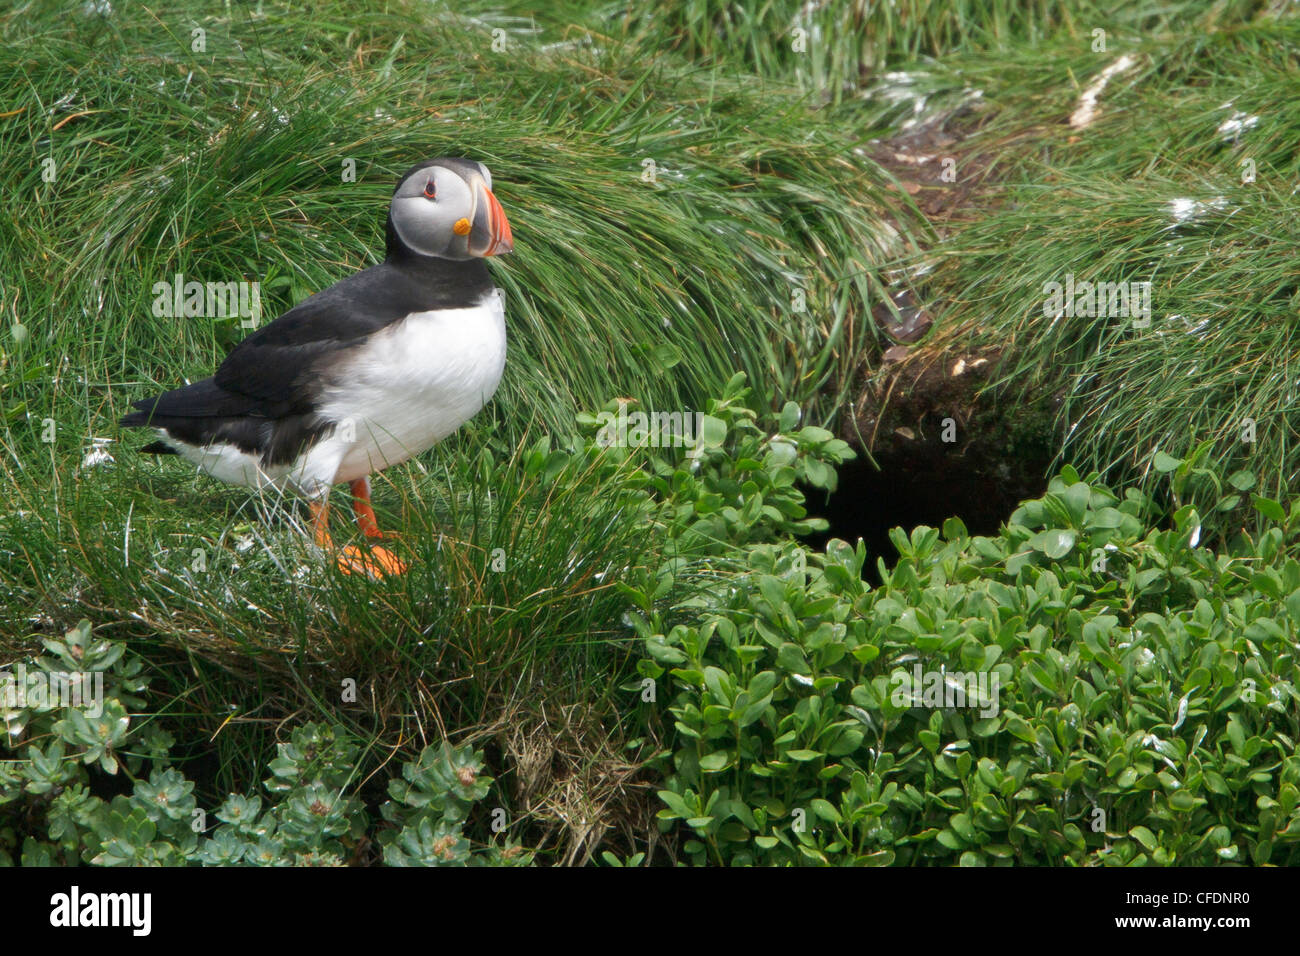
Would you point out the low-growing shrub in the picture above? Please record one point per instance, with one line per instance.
(77, 733)
(1090, 686)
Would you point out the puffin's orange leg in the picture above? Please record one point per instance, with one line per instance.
(364, 512)
(375, 561)
(320, 524)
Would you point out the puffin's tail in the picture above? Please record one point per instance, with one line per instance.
(205, 414)
(203, 399)
(196, 414)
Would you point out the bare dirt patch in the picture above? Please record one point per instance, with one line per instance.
(934, 440)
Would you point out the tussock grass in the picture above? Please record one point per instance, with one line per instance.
(1152, 191)
(509, 611)
(228, 164)
(834, 49)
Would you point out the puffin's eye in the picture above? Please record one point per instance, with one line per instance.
(430, 190)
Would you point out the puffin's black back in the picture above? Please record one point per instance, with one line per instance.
(263, 397)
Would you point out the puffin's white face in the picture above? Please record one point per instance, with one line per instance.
(450, 212)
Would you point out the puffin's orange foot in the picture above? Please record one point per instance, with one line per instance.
(365, 513)
(376, 562)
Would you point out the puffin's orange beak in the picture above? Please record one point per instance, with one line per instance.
(490, 235)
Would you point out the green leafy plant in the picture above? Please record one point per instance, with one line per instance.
(1135, 702)
(312, 815)
(1091, 686)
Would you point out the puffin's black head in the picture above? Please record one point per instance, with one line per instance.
(445, 208)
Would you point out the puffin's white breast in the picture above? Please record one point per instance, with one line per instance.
(408, 387)
(403, 390)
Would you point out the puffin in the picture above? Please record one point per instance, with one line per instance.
(363, 375)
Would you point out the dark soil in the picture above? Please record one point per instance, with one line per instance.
(938, 167)
(933, 441)
(933, 444)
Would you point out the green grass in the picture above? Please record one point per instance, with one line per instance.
(228, 164)
(1099, 202)
(843, 46)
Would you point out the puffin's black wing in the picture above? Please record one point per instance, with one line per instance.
(263, 396)
(279, 364)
